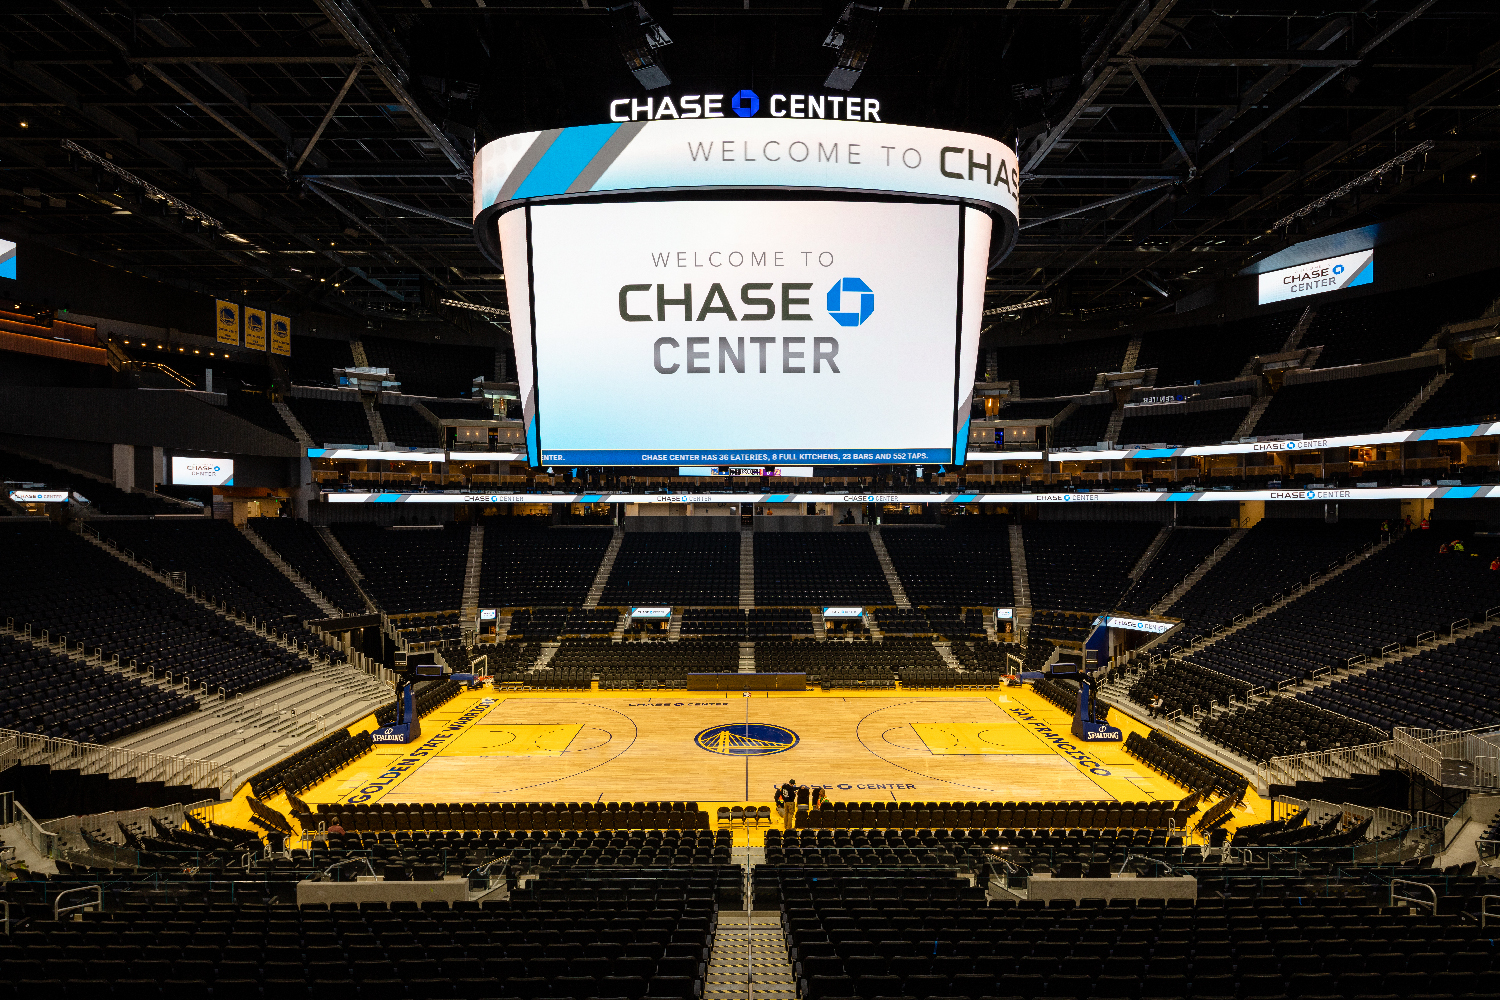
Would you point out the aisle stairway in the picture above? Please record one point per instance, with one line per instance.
(469, 607)
(343, 558)
(596, 589)
(884, 558)
(749, 958)
(1020, 583)
(747, 568)
(298, 581)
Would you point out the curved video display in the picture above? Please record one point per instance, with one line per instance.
(809, 294)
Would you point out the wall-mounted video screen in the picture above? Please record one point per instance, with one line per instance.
(1329, 275)
(202, 471)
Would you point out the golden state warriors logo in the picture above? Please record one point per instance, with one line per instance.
(747, 739)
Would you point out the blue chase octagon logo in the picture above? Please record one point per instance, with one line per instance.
(861, 299)
(747, 739)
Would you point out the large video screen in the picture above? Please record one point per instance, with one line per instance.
(202, 471)
(1328, 275)
(745, 331)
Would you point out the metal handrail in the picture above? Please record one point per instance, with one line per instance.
(1484, 912)
(1420, 885)
(5, 915)
(58, 909)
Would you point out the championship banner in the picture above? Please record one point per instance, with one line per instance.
(228, 322)
(255, 329)
(281, 335)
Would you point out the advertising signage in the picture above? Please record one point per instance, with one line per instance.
(1329, 275)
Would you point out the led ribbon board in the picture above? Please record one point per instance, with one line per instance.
(650, 614)
(843, 612)
(749, 283)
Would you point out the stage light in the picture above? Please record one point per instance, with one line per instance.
(852, 37)
(639, 36)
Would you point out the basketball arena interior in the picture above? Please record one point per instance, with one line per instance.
(1051, 550)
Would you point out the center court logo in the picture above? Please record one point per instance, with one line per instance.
(747, 739)
(836, 301)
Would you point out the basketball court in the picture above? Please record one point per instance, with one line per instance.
(726, 748)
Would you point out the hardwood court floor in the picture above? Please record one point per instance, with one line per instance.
(613, 746)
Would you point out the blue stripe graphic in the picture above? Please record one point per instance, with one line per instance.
(1180, 496)
(1467, 430)
(1461, 492)
(1155, 453)
(565, 160)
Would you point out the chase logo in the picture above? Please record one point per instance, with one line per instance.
(747, 739)
(1338, 269)
(745, 103)
(836, 302)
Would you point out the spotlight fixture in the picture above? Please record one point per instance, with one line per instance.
(639, 36)
(852, 37)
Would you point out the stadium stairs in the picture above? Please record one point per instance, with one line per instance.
(1185, 728)
(601, 577)
(470, 606)
(298, 580)
(256, 728)
(329, 696)
(884, 558)
(1175, 594)
(344, 560)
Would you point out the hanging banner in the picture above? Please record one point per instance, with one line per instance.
(229, 323)
(255, 329)
(281, 335)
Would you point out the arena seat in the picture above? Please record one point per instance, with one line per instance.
(68, 587)
(952, 566)
(103, 497)
(1273, 557)
(545, 624)
(1185, 551)
(331, 421)
(1082, 565)
(219, 563)
(715, 623)
(675, 568)
(405, 427)
(1394, 324)
(299, 543)
(1062, 369)
(1178, 428)
(1085, 426)
(1215, 353)
(257, 408)
(1383, 603)
(1280, 726)
(1187, 687)
(1467, 397)
(815, 567)
(409, 570)
(1452, 687)
(313, 363)
(1341, 406)
(526, 566)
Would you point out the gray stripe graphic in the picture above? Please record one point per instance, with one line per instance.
(527, 163)
(586, 180)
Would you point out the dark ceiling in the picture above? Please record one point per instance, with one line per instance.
(1160, 141)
